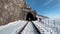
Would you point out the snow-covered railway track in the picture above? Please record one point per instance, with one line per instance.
(30, 28)
(25, 27)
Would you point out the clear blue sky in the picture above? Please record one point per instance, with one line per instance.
(50, 8)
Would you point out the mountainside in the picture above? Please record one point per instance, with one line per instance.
(10, 10)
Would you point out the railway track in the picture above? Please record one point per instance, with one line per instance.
(29, 28)
(26, 27)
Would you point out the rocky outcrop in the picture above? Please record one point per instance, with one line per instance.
(11, 10)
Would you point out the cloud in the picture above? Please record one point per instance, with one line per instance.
(47, 2)
(56, 6)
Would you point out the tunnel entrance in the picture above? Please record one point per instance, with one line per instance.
(29, 17)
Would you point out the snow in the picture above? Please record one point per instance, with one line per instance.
(46, 27)
(43, 29)
(12, 28)
(29, 29)
(54, 25)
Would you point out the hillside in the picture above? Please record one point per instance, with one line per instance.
(10, 10)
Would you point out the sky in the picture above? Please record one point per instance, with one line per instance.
(49, 8)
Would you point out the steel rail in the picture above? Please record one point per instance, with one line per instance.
(36, 28)
(23, 28)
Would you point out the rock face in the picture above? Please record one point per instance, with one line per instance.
(12, 10)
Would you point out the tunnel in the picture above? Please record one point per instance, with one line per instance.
(29, 17)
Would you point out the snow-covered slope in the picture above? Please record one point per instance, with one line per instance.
(43, 29)
(15, 27)
(54, 25)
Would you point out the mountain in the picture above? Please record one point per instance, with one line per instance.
(10, 10)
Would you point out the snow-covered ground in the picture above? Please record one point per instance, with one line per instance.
(12, 28)
(54, 24)
(29, 29)
(47, 27)
(43, 29)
